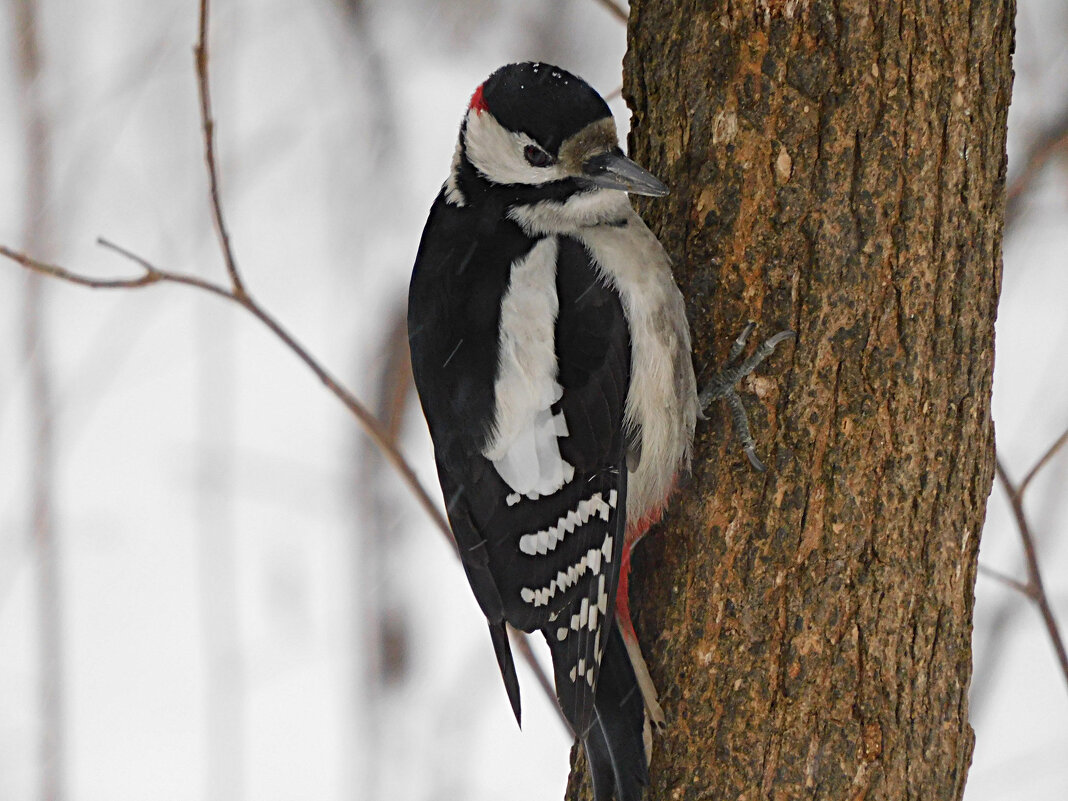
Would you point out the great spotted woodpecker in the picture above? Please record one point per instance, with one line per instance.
(551, 354)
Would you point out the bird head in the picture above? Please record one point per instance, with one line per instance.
(540, 132)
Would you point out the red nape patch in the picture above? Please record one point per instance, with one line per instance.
(478, 103)
(626, 628)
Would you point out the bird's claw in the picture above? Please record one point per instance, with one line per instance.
(722, 385)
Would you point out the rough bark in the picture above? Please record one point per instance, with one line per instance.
(838, 169)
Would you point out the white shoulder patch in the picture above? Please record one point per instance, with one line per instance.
(453, 195)
(523, 442)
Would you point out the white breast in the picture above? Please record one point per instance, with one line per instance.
(662, 402)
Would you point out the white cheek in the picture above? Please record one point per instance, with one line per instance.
(497, 153)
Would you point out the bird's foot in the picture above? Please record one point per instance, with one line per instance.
(722, 385)
(653, 712)
(654, 719)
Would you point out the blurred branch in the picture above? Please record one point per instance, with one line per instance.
(224, 679)
(1052, 141)
(397, 390)
(1043, 460)
(51, 658)
(237, 293)
(1033, 588)
(378, 521)
(522, 644)
(1002, 624)
(382, 655)
(1008, 581)
(615, 10)
(153, 275)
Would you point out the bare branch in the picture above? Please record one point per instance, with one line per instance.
(154, 275)
(44, 534)
(1035, 590)
(522, 644)
(1008, 581)
(380, 435)
(239, 295)
(208, 123)
(1051, 451)
(62, 274)
(1052, 141)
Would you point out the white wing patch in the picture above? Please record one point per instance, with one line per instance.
(546, 540)
(523, 446)
(565, 579)
(453, 195)
(662, 397)
(587, 619)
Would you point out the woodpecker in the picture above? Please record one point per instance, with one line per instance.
(551, 354)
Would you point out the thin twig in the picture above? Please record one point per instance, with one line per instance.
(154, 275)
(1041, 151)
(208, 124)
(398, 380)
(379, 434)
(615, 10)
(62, 274)
(1035, 590)
(1008, 581)
(1051, 451)
(374, 429)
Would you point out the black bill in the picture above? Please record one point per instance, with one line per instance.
(613, 170)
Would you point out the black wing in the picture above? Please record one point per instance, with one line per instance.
(454, 299)
(549, 564)
(454, 309)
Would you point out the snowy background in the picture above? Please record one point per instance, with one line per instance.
(250, 605)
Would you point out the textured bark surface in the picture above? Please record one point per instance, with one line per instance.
(838, 169)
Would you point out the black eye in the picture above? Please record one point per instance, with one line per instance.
(536, 157)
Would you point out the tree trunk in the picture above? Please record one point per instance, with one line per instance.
(837, 169)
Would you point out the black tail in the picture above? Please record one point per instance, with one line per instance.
(612, 734)
(614, 745)
(499, 635)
